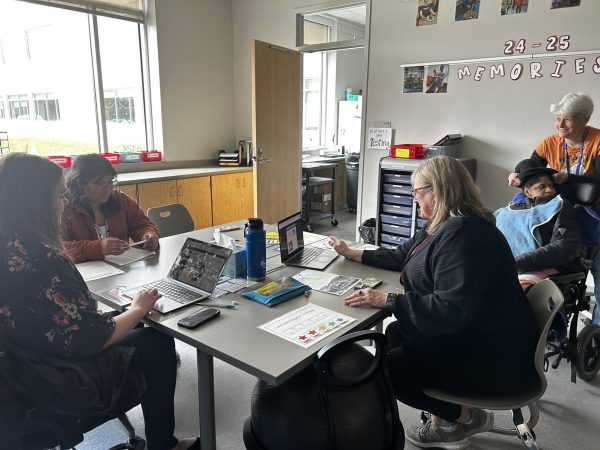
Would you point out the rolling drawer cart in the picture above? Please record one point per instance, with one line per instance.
(308, 183)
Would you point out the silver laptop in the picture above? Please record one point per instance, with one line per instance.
(193, 276)
(293, 251)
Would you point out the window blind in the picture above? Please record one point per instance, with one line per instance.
(123, 9)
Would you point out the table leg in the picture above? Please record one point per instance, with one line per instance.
(206, 399)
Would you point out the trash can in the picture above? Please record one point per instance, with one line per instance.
(367, 231)
(352, 161)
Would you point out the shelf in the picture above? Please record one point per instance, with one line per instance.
(317, 181)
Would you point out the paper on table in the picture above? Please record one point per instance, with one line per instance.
(307, 325)
(130, 255)
(365, 247)
(93, 270)
(326, 282)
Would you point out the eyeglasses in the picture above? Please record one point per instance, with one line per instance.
(105, 184)
(414, 191)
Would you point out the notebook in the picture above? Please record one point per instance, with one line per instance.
(292, 249)
(193, 276)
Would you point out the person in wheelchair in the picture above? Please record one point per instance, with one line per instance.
(460, 291)
(541, 228)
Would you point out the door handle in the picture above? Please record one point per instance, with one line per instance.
(259, 157)
(173, 192)
(180, 191)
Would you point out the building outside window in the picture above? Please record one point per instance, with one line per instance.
(18, 105)
(49, 60)
(46, 107)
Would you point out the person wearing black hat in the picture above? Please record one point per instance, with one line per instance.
(542, 229)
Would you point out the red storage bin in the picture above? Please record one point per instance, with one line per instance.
(62, 161)
(411, 151)
(113, 158)
(151, 155)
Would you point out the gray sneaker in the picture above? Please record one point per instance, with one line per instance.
(481, 421)
(430, 435)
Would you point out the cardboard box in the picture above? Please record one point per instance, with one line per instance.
(321, 198)
(236, 264)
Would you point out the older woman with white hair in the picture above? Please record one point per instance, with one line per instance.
(461, 296)
(573, 151)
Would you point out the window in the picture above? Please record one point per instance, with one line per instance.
(49, 72)
(313, 92)
(2, 113)
(46, 107)
(18, 105)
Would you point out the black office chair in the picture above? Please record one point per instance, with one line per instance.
(345, 401)
(25, 425)
(171, 219)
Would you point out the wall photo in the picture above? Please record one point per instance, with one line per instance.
(437, 79)
(466, 10)
(413, 79)
(427, 12)
(513, 7)
(564, 3)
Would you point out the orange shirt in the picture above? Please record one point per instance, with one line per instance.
(552, 150)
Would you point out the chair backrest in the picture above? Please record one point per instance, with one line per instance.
(171, 219)
(545, 298)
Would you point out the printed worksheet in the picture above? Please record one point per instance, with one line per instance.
(326, 282)
(130, 255)
(93, 270)
(307, 325)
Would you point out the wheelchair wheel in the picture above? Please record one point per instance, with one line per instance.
(588, 352)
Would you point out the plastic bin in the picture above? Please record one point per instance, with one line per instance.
(352, 162)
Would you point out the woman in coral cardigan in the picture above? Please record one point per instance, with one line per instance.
(98, 221)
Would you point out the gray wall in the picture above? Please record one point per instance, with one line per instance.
(194, 41)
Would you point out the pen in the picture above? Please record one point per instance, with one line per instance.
(232, 305)
(138, 243)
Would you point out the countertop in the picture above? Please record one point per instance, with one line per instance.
(171, 174)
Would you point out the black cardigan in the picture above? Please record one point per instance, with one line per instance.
(461, 291)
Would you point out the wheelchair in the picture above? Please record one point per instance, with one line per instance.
(581, 349)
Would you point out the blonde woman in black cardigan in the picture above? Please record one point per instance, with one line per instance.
(463, 319)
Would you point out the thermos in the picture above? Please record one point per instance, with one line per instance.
(256, 249)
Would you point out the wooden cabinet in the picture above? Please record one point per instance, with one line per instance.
(130, 190)
(232, 197)
(193, 193)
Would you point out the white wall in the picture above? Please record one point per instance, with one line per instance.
(501, 119)
(195, 57)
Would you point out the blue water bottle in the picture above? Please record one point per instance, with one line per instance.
(256, 249)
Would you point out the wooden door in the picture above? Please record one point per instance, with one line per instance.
(195, 195)
(157, 193)
(232, 197)
(129, 189)
(276, 125)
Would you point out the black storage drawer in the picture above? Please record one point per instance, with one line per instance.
(396, 178)
(393, 239)
(397, 189)
(402, 221)
(398, 199)
(396, 229)
(397, 209)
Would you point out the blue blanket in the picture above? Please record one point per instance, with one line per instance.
(518, 225)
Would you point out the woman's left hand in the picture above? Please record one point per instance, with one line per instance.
(151, 242)
(367, 297)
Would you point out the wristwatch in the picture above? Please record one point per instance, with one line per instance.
(391, 299)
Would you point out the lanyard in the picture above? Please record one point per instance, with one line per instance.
(105, 228)
(580, 154)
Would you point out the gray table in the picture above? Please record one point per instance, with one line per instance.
(234, 337)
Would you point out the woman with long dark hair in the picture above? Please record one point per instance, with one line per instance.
(98, 221)
(47, 311)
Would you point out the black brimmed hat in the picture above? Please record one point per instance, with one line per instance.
(526, 171)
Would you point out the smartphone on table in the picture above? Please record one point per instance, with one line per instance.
(199, 317)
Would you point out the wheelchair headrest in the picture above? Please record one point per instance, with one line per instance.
(584, 193)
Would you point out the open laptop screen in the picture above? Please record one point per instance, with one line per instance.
(199, 264)
(291, 238)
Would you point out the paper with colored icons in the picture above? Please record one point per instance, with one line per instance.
(307, 325)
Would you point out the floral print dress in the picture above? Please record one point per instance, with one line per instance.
(45, 304)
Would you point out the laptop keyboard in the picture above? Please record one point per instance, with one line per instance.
(174, 292)
(307, 255)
